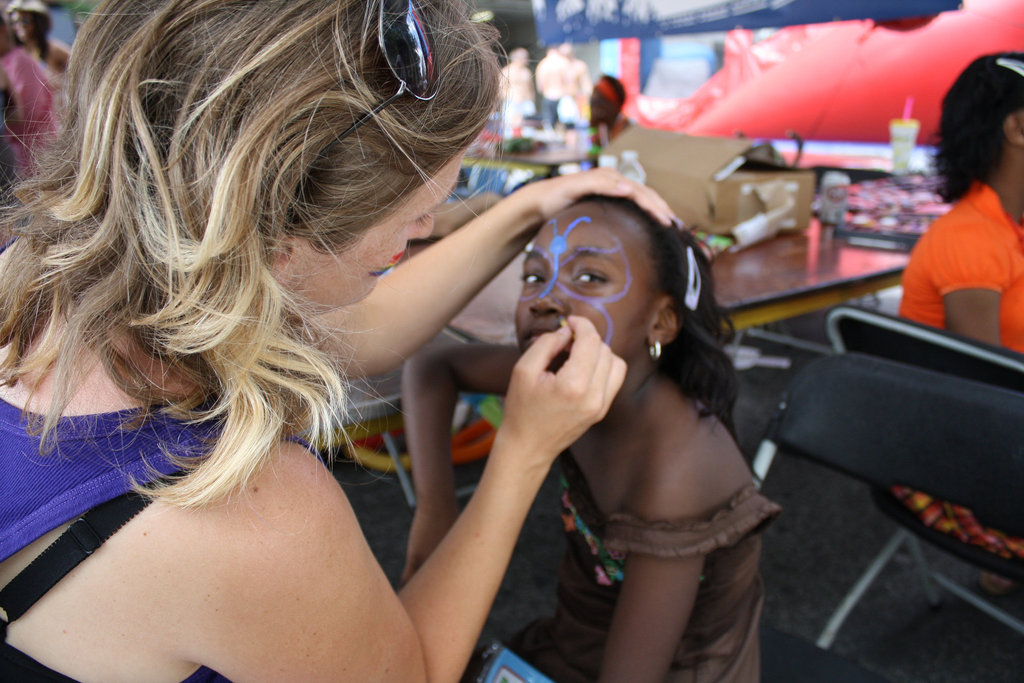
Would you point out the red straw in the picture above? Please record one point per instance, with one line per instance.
(908, 107)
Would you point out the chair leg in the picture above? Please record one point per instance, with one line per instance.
(763, 461)
(835, 622)
(403, 476)
(923, 571)
(980, 603)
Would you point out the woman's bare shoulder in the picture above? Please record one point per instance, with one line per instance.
(275, 583)
(291, 584)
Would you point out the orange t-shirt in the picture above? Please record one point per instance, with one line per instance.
(974, 246)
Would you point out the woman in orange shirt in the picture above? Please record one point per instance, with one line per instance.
(966, 274)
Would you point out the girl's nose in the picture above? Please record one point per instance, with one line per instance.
(547, 304)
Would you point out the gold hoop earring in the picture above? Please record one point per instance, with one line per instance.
(655, 350)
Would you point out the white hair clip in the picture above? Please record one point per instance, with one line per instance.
(692, 280)
(1012, 64)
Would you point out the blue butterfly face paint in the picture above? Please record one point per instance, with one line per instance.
(580, 269)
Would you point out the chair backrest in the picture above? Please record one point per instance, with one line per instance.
(890, 423)
(899, 339)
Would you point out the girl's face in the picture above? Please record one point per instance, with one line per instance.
(594, 261)
(332, 280)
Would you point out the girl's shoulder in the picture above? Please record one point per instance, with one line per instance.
(693, 467)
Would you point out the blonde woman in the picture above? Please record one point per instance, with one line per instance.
(195, 273)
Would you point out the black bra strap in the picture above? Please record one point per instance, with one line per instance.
(81, 539)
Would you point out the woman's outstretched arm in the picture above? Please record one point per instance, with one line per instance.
(297, 592)
(412, 304)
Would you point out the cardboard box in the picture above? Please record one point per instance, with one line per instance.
(717, 183)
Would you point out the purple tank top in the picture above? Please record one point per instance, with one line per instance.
(97, 458)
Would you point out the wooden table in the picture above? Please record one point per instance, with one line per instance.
(794, 274)
(786, 276)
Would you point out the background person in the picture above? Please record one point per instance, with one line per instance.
(606, 102)
(31, 22)
(660, 578)
(195, 275)
(519, 93)
(966, 273)
(30, 121)
(563, 81)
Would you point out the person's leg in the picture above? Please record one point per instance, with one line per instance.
(548, 112)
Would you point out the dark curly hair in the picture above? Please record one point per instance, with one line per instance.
(696, 359)
(971, 129)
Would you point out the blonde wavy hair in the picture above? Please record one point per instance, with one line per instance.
(198, 135)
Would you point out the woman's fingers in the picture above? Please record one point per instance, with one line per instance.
(555, 194)
(589, 352)
(552, 408)
(645, 197)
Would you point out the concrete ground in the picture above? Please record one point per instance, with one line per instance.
(829, 531)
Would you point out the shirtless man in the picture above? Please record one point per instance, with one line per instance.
(517, 80)
(564, 84)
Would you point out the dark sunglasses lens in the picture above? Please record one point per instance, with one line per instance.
(406, 46)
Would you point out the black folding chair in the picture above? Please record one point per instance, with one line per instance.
(888, 423)
(786, 658)
(851, 328)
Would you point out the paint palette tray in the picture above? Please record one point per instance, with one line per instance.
(892, 213)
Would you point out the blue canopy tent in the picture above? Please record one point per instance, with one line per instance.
(582, 21)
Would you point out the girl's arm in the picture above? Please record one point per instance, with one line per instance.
(412, 304)
(650, 618)
(431, 382)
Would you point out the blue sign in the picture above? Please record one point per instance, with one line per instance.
(582, 21)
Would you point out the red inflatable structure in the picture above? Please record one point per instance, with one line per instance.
(841, 81)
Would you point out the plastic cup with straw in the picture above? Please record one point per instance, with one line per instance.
(903, 137)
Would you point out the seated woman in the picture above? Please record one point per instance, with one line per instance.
(660, 579)
(966, 274)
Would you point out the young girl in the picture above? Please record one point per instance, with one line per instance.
(660, 578)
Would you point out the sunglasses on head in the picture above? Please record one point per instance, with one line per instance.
(405, 43)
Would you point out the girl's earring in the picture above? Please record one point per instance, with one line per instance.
(655, 350)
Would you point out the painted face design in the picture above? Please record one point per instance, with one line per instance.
(580, 263)
(378, 272)
(579, 284)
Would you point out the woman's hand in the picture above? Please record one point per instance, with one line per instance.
(545, 410)
(554, 194)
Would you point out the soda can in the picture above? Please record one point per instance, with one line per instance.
(835, 187)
